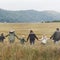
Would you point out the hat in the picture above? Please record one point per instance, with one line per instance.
(57, 28)
(11, 30)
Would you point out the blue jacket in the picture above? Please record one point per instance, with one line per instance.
(32, 37)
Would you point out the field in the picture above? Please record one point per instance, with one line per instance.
(16, 51)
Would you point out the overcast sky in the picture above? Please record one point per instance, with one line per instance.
(30, 4)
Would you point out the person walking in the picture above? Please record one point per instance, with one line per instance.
(22, 39)
(56, 35)
(32, 37)
(12, 36)
(44, 39)
(2, 37)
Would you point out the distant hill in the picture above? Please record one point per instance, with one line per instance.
(28, 16)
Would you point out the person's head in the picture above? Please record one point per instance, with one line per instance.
(23, 36)
(11, 31)
(44, 35)
(31, 31)
(1, 34)
(57, 29)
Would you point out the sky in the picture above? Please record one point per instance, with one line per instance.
(38, 5)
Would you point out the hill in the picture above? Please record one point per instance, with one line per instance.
(28, 16)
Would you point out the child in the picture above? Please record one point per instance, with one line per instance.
(22, 39)
(44, 39)
(2, 37)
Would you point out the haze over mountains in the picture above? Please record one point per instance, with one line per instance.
(28, 16)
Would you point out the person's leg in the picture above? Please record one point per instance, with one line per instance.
(55, 41)
(2, 40)
(33, 42)
(30, 42)
(11, 41)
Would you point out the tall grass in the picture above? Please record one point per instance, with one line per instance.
(16, 51)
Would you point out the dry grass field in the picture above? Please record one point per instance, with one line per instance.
(16, 51)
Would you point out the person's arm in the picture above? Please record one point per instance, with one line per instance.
(41, 38)
(16, 36)
(4, 37)
(53, 35)
(7, 35)
(28, 37)
(36, 37)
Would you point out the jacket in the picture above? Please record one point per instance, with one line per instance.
(32, 37)
(56, 35)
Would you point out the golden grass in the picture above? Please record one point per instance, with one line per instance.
(16, 51)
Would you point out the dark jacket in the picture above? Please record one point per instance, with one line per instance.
(22, 40)
(2, 38)
(32, 37)
(56, 35)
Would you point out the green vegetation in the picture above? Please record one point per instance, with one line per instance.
(28, 16)
(56, 21)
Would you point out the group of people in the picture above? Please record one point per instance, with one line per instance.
(31, 37)
(55, 37)
(11, 37)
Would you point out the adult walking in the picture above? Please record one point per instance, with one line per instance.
(11, 36)
(32, 37)
(56, 35)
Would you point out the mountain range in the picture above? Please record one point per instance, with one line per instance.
(28, 16)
